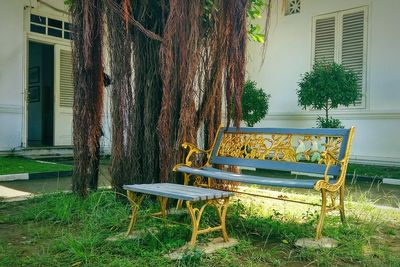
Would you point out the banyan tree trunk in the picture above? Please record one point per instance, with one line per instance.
(171, 63)
(88, 89)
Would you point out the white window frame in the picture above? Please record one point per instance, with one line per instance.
(338, 47)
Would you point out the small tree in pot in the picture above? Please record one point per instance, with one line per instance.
(325, 87)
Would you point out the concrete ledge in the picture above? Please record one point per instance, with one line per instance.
(30, 176)
(12, 194)
(391, 181)
(49, 174)
(14, 177)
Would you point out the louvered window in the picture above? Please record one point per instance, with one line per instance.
(341, 37)
(66, 82)
(353, 46)
(325, 39)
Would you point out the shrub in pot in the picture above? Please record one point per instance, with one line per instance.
(327, 86)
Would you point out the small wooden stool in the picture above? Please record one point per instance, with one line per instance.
(191, 194)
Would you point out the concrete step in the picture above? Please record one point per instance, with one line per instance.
(45, 152)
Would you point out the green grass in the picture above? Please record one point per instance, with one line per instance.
(357, 169)
(63, 230)
(13, 165)
(374, 171)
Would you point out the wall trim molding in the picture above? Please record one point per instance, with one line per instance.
(13, 109)
(356, 115)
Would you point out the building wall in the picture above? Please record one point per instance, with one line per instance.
(13, 65)
(289, 52)
(11, 75)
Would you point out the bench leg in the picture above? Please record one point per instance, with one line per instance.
(195, 215)
(341, 207)
(221, 210)
(322, 216)
(136, 201)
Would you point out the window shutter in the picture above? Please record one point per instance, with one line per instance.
(66, 82)
(324, 49)
(353, 46)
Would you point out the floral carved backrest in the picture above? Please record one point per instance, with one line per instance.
(256, 147)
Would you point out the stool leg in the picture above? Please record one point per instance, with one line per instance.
(179, 204)
(163, 205)
(195, 215)
(136, 201)
(221, 210)
(185, 182)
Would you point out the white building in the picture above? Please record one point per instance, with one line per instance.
(36, 89)
(361, 34)
(36, 74)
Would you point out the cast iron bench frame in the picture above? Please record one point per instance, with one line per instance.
(191, 194)
(273, 149)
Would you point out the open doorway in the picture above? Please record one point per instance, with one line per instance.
(41, 94)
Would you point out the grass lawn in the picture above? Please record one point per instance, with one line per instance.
(62, 230)
(12, 165)
(357, 169)
(374, 171)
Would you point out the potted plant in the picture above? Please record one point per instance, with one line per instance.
(325, 87)
(255, 103)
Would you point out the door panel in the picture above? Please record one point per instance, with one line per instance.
(63, 96)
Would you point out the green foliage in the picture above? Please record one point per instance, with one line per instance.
(254, 12)
(255, 103)
(327, 86)
(68, 2)
(329, 123)
(192, 257)
(255, 33)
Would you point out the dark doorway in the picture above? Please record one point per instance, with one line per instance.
(40, 94)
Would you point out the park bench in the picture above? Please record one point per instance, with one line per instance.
(191, 194)
(324, 152)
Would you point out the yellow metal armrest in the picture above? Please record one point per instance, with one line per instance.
(193, 149)
(325, 184)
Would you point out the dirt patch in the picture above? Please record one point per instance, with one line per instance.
(12, 234)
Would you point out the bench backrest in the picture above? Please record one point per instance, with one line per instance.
(284, 149)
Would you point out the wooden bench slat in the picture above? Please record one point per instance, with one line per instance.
(175, 194)
(177, 191)
(277, 165)
(163, 193)
(251, 179)
(208, 194)
(196, 195)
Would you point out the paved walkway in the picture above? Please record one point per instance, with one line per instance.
(9, 193)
